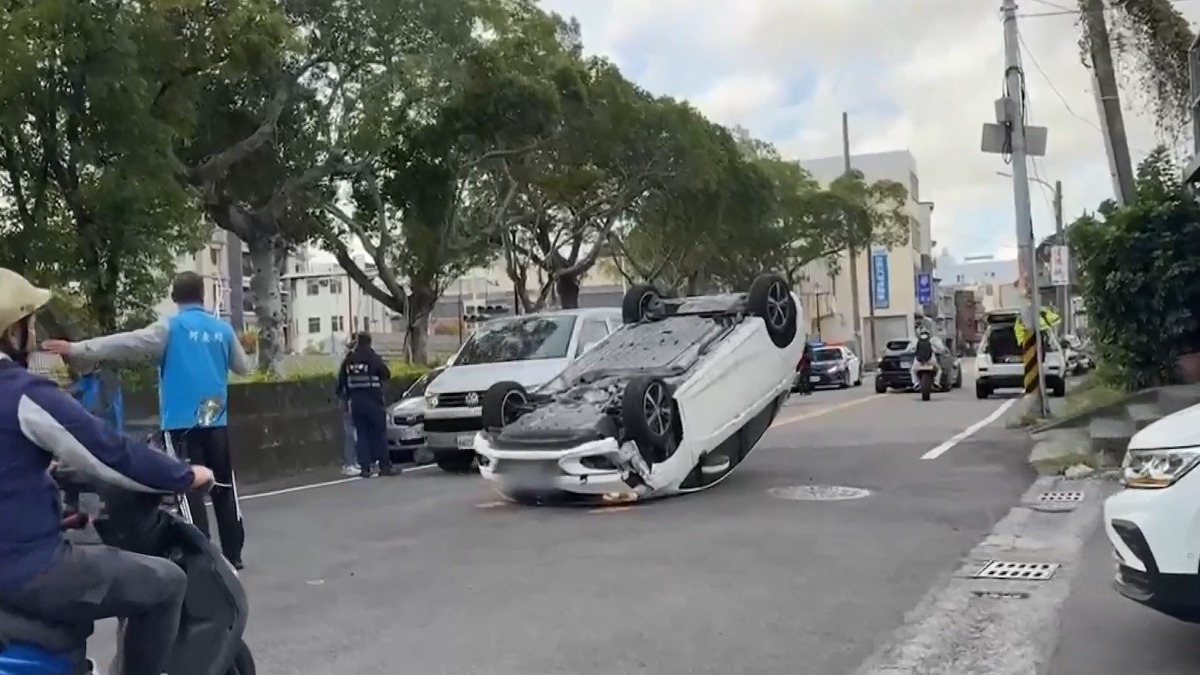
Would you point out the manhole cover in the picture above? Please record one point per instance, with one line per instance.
(1017, 571)
(1061, 497)
(819, 493)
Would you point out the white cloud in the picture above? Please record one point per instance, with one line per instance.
(918, 74)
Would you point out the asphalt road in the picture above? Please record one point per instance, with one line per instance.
(431, 573)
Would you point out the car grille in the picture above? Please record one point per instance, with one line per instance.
(457, 399)
(406, 420)
(453, 425)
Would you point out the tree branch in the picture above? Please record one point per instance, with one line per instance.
(378, 254)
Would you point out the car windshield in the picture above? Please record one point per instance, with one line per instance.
(518, 339)
(820, 355)
(897, 345)
(418, 387)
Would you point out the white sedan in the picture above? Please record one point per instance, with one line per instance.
(671, 402)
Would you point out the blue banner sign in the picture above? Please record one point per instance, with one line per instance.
(881, 292)
(924, 289)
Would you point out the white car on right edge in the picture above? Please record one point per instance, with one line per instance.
(1154, 523)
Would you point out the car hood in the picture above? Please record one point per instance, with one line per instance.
(479, 377)
(1178, 430)
(408, 406)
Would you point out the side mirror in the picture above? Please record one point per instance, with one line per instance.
(209, 411)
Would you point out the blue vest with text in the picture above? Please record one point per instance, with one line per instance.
(195, 366)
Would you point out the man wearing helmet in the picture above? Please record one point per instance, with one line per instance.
(42, 575)
(925, 354)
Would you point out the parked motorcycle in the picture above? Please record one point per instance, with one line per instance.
(210, 638)
(926, 373)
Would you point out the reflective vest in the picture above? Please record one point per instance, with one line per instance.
(1048, 319)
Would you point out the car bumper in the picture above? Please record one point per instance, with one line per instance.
(514, 471)
(1156, 565)
(895, 379)
(405, 436)
(821, 379)
(1013, 381)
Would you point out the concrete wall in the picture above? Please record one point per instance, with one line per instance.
(275, 429)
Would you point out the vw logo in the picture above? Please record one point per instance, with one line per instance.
(472, 400)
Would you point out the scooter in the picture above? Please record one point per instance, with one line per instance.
(926, 372)
(215, 609)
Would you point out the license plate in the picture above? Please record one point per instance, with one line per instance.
(906, 364)
(814, 378)
(410, 433)
(466, 442)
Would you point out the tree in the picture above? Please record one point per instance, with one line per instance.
(317, 102)
(90, 197)
(423, 211)
(1139, 271)
(871, 214)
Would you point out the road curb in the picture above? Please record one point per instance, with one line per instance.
(972, 626)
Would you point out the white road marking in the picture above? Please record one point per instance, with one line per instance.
(969, 431)
(328, 483)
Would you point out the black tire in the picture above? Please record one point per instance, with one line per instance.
(880, 386)
(958, 379)
(926, 385)
(642, 302)
(456, 462)
(770, 298)
(648, 414)
(982, 391)
(243, 661)
(503, 403)
(845, 383)
(1059, 389)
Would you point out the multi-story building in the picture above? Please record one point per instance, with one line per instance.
(326, 306)
(887, 277)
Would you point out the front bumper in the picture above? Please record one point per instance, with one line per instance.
(405, 436)
(1156, 563)
(825, 378)
(572, 470)
(452, 434)
(895, 379)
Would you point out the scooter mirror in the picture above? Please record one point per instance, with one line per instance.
(208, 411)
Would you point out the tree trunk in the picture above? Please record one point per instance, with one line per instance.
(420, 304)
(568, 291)
(267, 256)
(418, 339)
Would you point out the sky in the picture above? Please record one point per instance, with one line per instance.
(915, 74)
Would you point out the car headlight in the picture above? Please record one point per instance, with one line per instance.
(431, 400)
(1156, 469)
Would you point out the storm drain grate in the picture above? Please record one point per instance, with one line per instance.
(1001, 595)
(1017, 571)
(1061, 497)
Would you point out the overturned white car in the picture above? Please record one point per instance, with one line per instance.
(671, 402)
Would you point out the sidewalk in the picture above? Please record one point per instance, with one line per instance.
(1103, 633)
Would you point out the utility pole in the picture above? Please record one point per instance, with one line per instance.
(855, 309)
(1064, 291)
(1010, 136)
(1108, 100)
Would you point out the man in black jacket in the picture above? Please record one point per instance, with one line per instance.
(360, 382)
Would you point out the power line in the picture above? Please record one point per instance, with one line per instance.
(1063, 11)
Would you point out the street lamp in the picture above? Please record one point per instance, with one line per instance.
(1063, 292)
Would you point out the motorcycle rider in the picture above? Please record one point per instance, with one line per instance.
(925, 354)
(360, 382)
(42, 575)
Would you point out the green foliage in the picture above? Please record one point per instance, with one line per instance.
(1139, 269)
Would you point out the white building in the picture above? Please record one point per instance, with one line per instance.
(893, 290)
(213, 264)
(326, 307)
(994, 280)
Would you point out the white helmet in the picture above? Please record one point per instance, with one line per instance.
(18, 298)
(924, 335)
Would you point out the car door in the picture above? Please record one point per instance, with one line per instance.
(853, 365)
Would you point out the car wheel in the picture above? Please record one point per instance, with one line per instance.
(858, 379)
(958, 379)
(503, 403)
(648, 415)
(982, 390)
(880, 386)
(456, 462)
(770, 298)
(643, 302)
(1059, 389)
(845, 383)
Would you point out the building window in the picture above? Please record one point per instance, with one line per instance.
(914, 186)
(337, 323)
(213, 254)
(314, 324)
(313, 287)
(335, 286)
(915, 232)
(366, 323)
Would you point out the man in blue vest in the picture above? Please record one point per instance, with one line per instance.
(42, 575)
(195, 352)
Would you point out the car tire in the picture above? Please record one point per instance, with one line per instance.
(643, 302)
(982, 391)
(457, 462)
(502, 404)
(648, 415)
(770, 298)
(858, 382)
(845, 383)
(880, 385)
(958, 379)
(1059, 388)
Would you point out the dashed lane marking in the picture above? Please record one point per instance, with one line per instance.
(820, 411)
